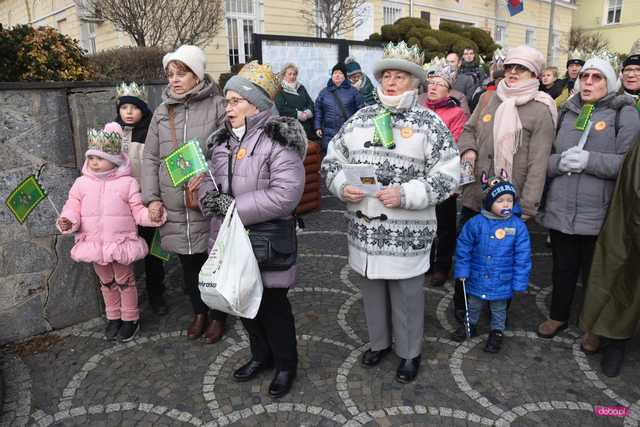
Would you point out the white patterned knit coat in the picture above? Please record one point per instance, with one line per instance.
(425, 163)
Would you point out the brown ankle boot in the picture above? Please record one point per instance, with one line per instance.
(197, 326)
(214, 331)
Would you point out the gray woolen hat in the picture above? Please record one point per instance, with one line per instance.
(250, 91)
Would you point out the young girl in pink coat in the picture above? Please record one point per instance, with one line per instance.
(103, 209)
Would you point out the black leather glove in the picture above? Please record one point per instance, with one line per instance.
(215, 203)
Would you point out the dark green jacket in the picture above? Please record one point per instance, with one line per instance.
(367, 91)
(612, 302)
(289, 104)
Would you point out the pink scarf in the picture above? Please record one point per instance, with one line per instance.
(507, 127)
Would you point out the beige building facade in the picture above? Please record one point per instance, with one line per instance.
(245, 17)
(618, 21)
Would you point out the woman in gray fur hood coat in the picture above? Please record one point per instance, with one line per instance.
(257, 159)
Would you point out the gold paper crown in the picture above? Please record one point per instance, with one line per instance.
(577, 54)
(610, 57)
(131, 89)
(262, 76)
(107, 142)
(402, 51)
(441, 68)
(499, 56)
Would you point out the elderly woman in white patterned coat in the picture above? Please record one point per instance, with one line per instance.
(390, 233)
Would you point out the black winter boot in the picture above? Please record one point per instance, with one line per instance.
(494, 343)
(113, 326)
(612, 356)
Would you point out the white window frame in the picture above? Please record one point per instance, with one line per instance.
(501, 30)
(614, 6)
(555, 48)
(88, 36)
(530, 37)
(238, 15)
(390, 13)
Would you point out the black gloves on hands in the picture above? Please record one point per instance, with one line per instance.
(215, 203)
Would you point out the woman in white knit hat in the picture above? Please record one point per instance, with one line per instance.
(192, 108)
(596, 128)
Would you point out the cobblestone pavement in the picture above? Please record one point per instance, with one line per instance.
(161, 378)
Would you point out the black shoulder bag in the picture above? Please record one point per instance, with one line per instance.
(340, 105)
(274, 243)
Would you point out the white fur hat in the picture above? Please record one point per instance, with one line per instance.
(192, 56)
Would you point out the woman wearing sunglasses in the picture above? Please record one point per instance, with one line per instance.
(597, 127)
(511, 129)
(390, 232)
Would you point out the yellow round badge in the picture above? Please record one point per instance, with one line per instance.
(601, 125)
(241, 154)
(406, 132)
(500, 233)
(487, 118)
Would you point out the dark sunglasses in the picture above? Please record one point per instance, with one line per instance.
(516, 67)
(595, 77)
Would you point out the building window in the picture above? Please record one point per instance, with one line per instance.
(501, 35)
(614, 11)
(88, 36)
(529, 38)
(241, 22)
(391, 14)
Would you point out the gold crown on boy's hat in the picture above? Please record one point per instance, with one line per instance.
(107, 142)
(403, 51)
(262, 76)
(131, 89)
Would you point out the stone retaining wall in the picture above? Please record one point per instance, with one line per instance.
(41, 288)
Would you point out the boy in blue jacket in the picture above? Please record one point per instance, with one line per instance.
(493, 256)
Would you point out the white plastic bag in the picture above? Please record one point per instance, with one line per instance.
(230, 279)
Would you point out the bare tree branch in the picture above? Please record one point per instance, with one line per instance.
(333, 18)
(587, 41)
(160, 23)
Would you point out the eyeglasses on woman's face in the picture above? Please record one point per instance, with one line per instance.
(233, 101)
(437, 83)
(631, 70)
(594, 77)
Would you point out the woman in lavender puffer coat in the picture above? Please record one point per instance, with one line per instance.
(267, 182)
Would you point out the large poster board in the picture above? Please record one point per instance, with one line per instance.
(314, 60)
(314, 57)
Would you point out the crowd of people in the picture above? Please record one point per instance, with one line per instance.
(515, 146)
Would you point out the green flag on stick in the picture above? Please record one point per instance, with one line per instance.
(156, 250)
(27, 195)
(185, 162)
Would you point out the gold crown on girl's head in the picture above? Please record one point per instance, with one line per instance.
(403, 51)
(107, 142)
(131, 89)
(263, 76)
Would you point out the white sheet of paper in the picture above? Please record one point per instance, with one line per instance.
(362, 177)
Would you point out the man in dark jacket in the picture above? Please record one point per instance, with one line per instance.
(631, 74)
(462, 83)
(470, 66)
(335, 104)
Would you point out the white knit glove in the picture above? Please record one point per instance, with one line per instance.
(576, 159)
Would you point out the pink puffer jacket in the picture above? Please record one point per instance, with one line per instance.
(104, 212)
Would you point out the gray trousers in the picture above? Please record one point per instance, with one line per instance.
(395, 308)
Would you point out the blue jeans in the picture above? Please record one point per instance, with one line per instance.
(498, 310)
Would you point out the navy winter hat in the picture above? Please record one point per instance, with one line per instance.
(499, 188)
(352, 66)
(339, 67)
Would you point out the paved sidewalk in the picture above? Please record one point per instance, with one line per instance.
(74, 377)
